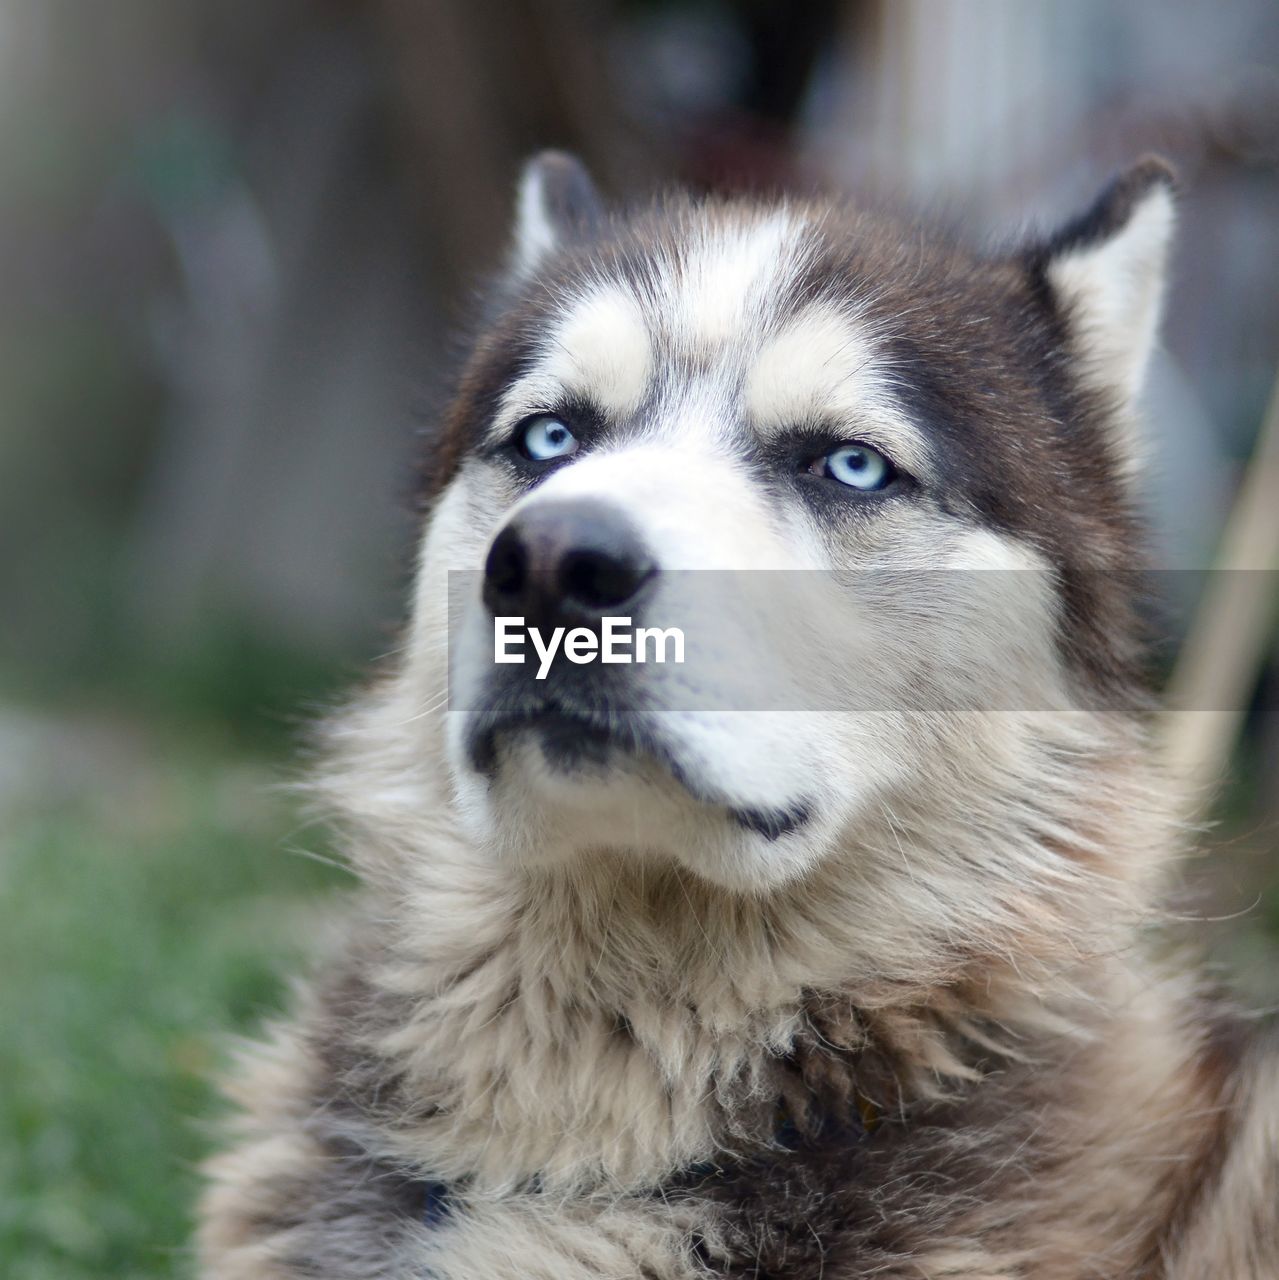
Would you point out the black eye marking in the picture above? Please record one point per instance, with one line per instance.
(829, 467)
(547, 439)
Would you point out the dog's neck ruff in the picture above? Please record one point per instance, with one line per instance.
(438, 1198)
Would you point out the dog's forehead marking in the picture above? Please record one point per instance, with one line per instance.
(825, 367)
(717, 287)
(597, 346)
(822, 358)
(602, 348)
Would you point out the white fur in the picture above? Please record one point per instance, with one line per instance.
(727, 278)
(605, 351)
(1115, 291)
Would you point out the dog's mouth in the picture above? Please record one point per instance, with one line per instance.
(572, 738)
(576, 740)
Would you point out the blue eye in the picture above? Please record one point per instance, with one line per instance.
(544, 437)
(856, 465)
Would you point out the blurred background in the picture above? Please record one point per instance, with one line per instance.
(235, 239)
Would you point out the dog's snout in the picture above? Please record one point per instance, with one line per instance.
(566, 562)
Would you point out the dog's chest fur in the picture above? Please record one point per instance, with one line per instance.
(814, 1156)
(495, 1096)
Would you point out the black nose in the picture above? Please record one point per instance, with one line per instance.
(565, 563)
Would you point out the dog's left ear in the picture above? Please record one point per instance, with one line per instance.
(558, 207)
(1106, 268)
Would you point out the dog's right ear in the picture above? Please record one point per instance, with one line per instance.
(558, 207)
(1106, 270)
(1107, 267)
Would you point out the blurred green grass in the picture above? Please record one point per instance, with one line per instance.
(142, 920)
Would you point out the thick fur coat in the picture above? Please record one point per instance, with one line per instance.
(666, 986)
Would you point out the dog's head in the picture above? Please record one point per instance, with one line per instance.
(879, 484)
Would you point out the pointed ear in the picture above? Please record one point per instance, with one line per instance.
(558, 207)
(1107, 268)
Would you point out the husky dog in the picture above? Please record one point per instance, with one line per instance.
(652, 980)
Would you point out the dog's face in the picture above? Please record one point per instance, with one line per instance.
(875, 481)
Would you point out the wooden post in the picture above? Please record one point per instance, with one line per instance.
(1226, 645)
